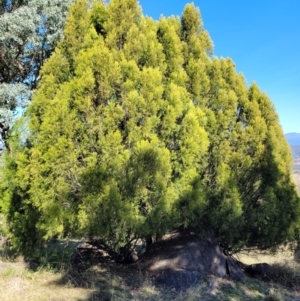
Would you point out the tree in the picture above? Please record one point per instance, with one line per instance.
(248, 172)
(102, 150)
(134, 130)
(29, 32)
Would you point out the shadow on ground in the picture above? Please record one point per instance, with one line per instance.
(112, 281)
(138, 281)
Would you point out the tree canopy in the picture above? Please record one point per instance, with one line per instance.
(135, 129)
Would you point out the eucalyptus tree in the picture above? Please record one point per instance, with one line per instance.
(29, 32)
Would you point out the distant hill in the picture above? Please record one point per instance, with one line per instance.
(296, 158)
(293, 138)
(295, 151)
(294, 142)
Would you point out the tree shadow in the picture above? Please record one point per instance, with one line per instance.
(107, 281)
(140, 280)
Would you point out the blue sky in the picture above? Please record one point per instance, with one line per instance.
(263, 39)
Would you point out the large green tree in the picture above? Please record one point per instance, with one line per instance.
(135, 129)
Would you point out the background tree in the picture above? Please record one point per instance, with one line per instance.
(29, 32)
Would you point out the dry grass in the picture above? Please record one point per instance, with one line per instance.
(52, 281)
(282, 255)
(17, 282)
(97, 283)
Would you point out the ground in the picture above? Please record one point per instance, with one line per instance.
(54, 279)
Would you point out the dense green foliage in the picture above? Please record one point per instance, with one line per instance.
(135, 129)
